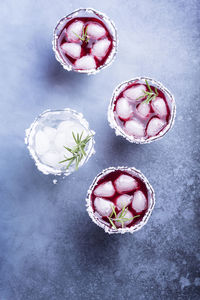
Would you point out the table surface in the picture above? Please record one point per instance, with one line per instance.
(49, 248)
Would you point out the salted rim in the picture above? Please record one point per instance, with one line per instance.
(119, 131)
(111, 27)
(133, 228)
(30, 134)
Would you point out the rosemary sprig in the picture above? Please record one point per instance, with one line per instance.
(84, 37)
(121, 218)
(78, 151)
(150, 95)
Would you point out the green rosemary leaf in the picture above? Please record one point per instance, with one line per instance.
(149, 95)
(121, 214)
(148, 86)
(81, 135)
(121, 218)
(69, 164)
(111, 215)
(113, 209)
(137, 216)
(74, 137)
(82, 150)
(62, 161)
(148, 98)
(140, 97)
(80, 38)
(111, 222)
(78, 150)
(84, 37)
(70, 150)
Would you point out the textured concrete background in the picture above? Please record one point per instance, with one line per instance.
(49, 249)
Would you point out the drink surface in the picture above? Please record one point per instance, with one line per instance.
(122, 192)
(86, 43)
(142, 110)
(60, 141)
(51, 140)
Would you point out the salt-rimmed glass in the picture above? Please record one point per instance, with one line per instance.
(104, 225)
(84, 12)
(53, 118)
(119, 130)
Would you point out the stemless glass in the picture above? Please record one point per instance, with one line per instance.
(46, 139)
(114, 120)
(108, 173)
(59, 35)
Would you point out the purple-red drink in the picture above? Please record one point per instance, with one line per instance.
(141, 110)
(85, 41)
(120, 200)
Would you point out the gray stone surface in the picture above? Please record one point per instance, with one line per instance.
(49, 249)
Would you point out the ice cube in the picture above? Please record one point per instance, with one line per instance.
(103, 206)
(139, 202)
(61, 140)
(123, 109)
(135, 128)
(76, 28)
(64, 135)
(69, 126)
(159, 106)
(127, 215)
(65, 126)
(123, 200)
(85, 63)
(41, 142)
(134, 92)
(65, 154)
(105, 189)
(100, 48)
(143, 109)
(52, 158)
(72, 49)
(125, 183)
(154, 127)
(95, 31)
(50, 132)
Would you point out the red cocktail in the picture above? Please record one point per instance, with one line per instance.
(85, 41)
(141, 110)
(120, 200)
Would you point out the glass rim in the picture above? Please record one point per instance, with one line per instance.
(119, 131)
(111, 27)
(136, 226)
(30, 135)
